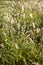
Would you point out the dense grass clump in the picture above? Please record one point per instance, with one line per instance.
(21, 32)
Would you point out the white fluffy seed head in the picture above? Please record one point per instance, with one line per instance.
(22, 8)
(16, 46)
(33, 25)
(31, 16)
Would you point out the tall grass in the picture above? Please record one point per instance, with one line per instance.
(21, 32)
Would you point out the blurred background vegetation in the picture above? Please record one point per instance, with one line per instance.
(21, 32)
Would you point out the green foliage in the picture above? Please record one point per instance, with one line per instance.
(21, 32)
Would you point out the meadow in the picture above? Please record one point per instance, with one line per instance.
(21, 32)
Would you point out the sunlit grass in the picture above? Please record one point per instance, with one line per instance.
(21, 32)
